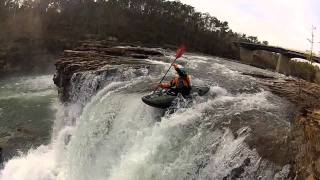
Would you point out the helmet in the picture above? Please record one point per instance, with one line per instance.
(182, 72)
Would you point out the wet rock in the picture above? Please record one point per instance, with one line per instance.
(283, 174)
(98, 58)
(261, 76)
(304, 140)
(237, 172)
(139, 56)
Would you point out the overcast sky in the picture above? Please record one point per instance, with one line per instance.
(285, 23)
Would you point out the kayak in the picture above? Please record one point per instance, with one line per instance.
(164, 100)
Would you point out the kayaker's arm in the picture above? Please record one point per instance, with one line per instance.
(165, 85)
(168, 85)
(179, 71)
(173, 82)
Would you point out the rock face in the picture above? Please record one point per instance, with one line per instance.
(304, 140)
(306, 129)
(94, 57)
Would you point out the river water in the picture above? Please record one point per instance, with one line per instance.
(236, 131)
(27, 112)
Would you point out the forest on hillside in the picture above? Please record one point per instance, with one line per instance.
(156, 22)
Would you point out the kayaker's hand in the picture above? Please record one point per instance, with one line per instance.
(175, 65)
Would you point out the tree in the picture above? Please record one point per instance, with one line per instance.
(158, 22)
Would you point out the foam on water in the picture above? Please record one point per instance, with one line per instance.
(26, 87)
(36, 83)
(117, 137)
(29, 95)
(49, 159)
(37, 165)
(223, 69)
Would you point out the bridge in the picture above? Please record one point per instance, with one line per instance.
(274, 56)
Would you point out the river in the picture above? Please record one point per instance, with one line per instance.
(27, 112)
(237, 131)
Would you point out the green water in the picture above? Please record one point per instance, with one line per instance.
(27, 112)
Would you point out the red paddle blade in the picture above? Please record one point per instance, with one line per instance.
(180, 51)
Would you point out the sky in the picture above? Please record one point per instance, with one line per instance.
(285, 23)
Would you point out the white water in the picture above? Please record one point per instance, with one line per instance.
(26, 87)
(136, 147)
(117, 137)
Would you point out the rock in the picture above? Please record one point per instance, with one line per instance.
(139, 56)
(261, 76)
(283, 174)
(93, 57)
(305, 133)
(236, 173)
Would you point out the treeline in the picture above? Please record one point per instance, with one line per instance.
(157, 22)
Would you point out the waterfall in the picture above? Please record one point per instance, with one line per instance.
(113, 135)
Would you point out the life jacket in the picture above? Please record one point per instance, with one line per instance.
(181, 83)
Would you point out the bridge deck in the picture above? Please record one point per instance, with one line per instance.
(286, 52)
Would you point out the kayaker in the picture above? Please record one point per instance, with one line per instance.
(180, 84)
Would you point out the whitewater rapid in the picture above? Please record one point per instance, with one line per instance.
(113, 135)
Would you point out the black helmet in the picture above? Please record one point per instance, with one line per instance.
(182, 72)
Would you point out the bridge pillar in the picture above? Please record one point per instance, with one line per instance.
(283, 65)
(246, 55)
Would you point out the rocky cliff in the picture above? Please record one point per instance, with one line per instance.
(96, 58)
(305, 133)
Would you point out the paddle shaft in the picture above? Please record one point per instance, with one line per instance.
(165, 75)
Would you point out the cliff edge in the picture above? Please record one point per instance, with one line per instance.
(95, 57)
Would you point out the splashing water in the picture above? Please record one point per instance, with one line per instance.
(116, 136)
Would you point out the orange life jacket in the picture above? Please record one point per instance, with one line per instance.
(180, 82)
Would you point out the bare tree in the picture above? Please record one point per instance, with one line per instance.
(311, 41)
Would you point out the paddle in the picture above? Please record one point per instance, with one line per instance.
(179, 53)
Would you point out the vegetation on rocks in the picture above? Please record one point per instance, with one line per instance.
(304, 70)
